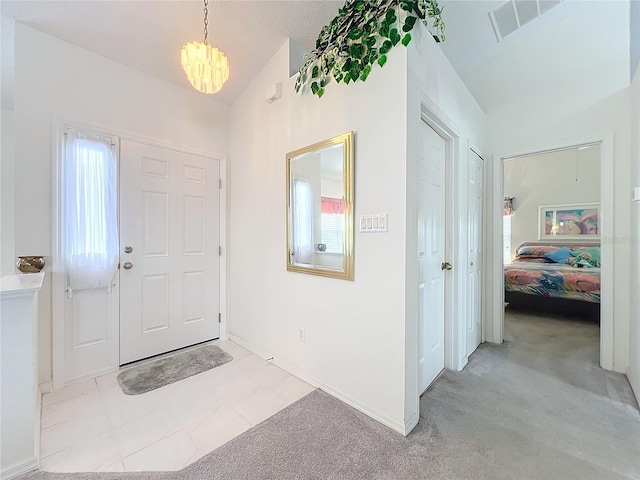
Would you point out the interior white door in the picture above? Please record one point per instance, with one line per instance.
(169, 259)
(474, 272)
(431, 245)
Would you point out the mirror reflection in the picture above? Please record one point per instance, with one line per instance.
(320, 220)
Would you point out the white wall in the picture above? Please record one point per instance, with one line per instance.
(557, 178)
(354, 343)
(7, 207)
(539, 122)
(634, 311)
(433, 82)
(57, 79)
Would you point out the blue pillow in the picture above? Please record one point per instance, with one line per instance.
(561, 255)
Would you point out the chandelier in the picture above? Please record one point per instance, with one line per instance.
(207, 68)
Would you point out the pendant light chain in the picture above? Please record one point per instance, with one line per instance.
(206, 20)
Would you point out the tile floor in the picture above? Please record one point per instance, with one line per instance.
(93, 426)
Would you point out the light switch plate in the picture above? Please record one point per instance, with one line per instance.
(636, 194)
(373, 223)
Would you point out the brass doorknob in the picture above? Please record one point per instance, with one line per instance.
(128, 265)
(446, 266)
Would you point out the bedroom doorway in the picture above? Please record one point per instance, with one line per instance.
(553, 264)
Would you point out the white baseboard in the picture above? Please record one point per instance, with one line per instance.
(250, 346)
(20, 469)
(411, 424)
(635, 387)
(397, 426)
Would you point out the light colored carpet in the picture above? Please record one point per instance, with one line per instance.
(152, 374)
(537, 407)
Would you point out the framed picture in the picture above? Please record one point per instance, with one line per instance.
(569, 222)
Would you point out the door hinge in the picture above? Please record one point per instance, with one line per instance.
(220, 183)
(219, 251)
(219, 318)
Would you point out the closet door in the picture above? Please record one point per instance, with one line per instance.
(474, 271)
(169, 258)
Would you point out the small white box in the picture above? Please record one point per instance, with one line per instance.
(274, 92)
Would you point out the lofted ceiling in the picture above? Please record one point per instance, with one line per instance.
(148, 35)
(574, 39)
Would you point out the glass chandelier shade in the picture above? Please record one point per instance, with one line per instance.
(207, 68)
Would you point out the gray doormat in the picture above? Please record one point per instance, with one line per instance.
(163, 371)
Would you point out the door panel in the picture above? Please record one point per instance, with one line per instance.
(170, 218)
(476, 196)
(431, 253)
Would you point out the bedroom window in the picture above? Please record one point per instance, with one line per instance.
(506, 239)
(332, 223)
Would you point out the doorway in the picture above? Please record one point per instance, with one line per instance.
(147, 276)
(169, 239)
(548, 228)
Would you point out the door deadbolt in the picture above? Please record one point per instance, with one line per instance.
(128, 265)
(444, 266)
(128, 249)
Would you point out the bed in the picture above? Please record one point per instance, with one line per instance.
(559, 278)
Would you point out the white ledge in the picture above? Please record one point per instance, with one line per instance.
(20, 283)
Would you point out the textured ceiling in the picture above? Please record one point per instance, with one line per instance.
(148, 35)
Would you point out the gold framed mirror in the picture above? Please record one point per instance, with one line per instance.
(320, 208)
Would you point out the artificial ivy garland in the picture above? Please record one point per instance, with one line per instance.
(362, 34)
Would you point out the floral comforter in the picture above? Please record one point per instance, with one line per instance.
(553, 280)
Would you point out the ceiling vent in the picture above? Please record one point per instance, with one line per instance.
(514, 14)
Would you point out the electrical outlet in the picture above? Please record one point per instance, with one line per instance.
(301, 334)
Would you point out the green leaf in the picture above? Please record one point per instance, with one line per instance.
(365, 73)
(384, 29)
(355, 71)
(347, 65)
(347, 78)
(394, 36)
(382, 60)
(406, 39)
(356, 50)
(320, 93)
(355, 33)
(315, 72)
(314, 87)
(391, 13)
(386, 46)
(409, 23)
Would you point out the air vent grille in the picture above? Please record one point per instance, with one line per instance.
(514, 14)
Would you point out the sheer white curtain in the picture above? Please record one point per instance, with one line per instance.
(90, 211)
(303, 221)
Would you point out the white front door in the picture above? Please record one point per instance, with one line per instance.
(169, 259)
(431, 245)
(474, 271)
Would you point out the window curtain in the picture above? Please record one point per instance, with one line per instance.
(303, 221)
(331, 205)
(90, 211)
